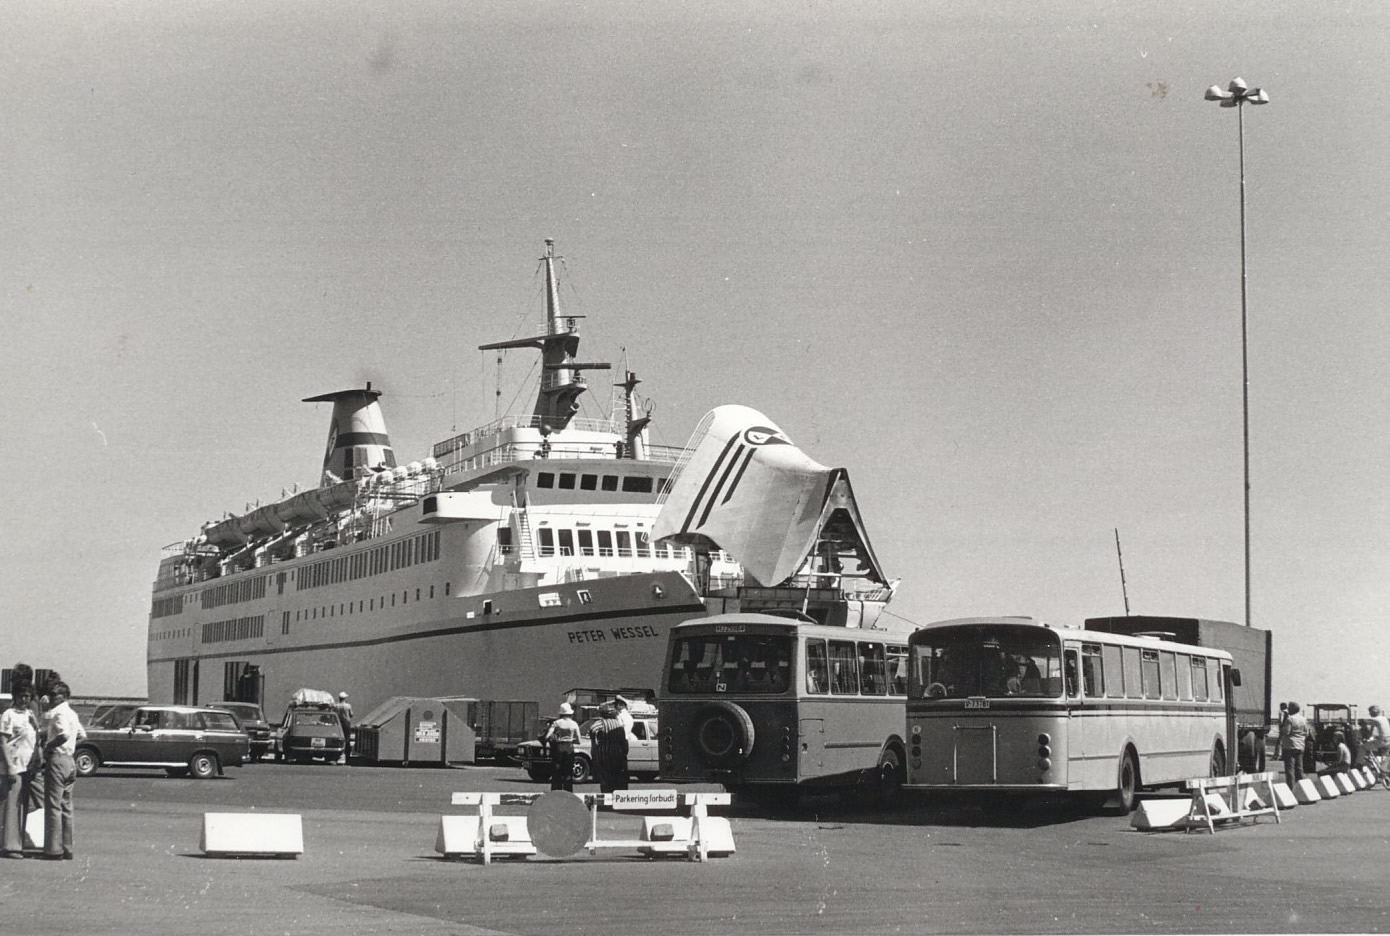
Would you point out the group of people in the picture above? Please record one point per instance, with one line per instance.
(38, 740)
(609, 735)
(1295, 738)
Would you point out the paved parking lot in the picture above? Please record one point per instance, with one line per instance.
(370, 867)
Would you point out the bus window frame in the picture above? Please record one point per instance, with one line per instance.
(817, 669)
(1092, 671)
(849, 657)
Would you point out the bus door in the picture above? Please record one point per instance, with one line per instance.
(1080, 669)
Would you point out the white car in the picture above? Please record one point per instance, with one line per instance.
(642, 761)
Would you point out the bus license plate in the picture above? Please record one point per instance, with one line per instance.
(977, 703)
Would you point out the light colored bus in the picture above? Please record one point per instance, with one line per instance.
(772, 706)
(1011, 704)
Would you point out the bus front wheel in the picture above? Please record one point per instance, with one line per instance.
(889, 779)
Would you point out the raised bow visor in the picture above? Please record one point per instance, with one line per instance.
(745, 487)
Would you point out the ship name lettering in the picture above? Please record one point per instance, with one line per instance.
(587, 636)
(634, 633)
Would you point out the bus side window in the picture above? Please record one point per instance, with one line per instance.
(897, 670)
(1131, 658)
(1070, 669)
(1114, 672)
(1214, 681)
(844, 668)
(817, 668)
(1092, 671)
(1149, 671)
(1199, 679)
(1169, 681)
(872, 669)
(1184, 677)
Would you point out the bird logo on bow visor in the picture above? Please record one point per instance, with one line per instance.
(764, 435)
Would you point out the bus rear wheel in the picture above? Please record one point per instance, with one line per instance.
(1123, 798)
(1218, 761)
(888, 781)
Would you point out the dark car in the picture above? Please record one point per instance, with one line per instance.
(252, 720)
(310, 732)
(182, 739)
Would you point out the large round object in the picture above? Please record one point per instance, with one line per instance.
(722, 734)
(559, 823)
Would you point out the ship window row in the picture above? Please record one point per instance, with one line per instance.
(252, 589)
(628, 484)
(245, 628)
(608, 543)
(388, 557)
(171, 634)
(165, 607)
(360, 606)
(1136, 673)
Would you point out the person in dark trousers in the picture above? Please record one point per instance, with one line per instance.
(1293, 737)
(560, 738)
(344, 709)
(608, 749)
(31, 789)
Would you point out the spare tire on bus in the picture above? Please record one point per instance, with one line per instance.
(722, 734)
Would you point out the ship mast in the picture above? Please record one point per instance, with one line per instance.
(561, 379)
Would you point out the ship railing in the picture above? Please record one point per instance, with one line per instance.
(531, 421)
(560, 379)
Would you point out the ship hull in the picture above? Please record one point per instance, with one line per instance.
(529, 644)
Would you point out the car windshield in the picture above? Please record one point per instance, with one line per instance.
(991, 660)
(315, 718)
(113, 717)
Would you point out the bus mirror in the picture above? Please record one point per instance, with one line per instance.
(1235, 676)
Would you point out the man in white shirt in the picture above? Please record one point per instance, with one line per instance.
(61, 731)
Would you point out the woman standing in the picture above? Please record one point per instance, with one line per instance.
(18, 737)
(561, 737)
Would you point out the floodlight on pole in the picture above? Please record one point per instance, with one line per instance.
(1237, 95)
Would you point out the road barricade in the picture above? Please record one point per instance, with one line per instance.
(1243, 796)
(252, 835)
(560, 824)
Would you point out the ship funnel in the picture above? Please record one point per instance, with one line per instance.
(358, 446)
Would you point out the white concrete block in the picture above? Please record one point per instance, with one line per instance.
(1155, 814)
(1307, 791)
(274, 835)
(1344, 783)
(1327, 787)
(33, 829)
(1355, 777)
(1284, 796)
(507, 836)
(1253, 800)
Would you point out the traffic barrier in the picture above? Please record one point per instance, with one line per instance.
(1284, 796)
(1153, 815)
(484, 835)
(252, 835)
(1344, 782)
(1307, 792)
(558, 825)
(1209, 807)
(1367, 778)
(1327, 787)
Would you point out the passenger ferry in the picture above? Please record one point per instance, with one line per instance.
(533, 554)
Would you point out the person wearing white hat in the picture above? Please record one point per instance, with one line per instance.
(561, 737)
(344, 709)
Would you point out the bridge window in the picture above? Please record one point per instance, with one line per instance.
(588, 482)
(567, 482)
(586, 543)
(637, 484)
(545, 479)
(610, 482)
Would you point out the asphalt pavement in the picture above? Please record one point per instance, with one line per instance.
(930, 866)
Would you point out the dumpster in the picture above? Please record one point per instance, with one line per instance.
(410, 730)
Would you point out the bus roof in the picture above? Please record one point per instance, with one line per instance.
(1085, 635)
(715, 621)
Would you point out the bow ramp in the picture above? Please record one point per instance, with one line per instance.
(744, 487)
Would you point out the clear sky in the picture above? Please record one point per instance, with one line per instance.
(984, 255)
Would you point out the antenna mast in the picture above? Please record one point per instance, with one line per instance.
(1119, 555)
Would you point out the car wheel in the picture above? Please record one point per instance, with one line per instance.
(87, 762)
(580, 772)
(203, 766)
(538, 774)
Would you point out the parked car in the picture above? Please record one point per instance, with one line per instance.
(183, 739)
(309, 732)
(641, 753)
(252, 719)
(112, 716)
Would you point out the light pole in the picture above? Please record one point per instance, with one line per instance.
(1237, 95)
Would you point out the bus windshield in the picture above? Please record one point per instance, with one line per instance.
(991, 660)
(738, 663)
